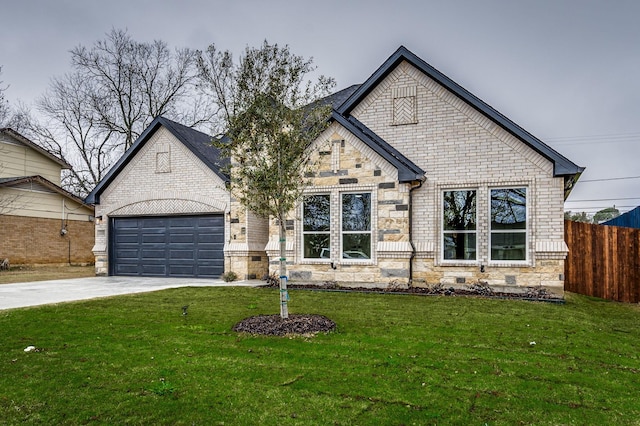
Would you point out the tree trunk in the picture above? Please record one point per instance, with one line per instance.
(284, 295)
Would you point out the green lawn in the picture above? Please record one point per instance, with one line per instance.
(395, 359)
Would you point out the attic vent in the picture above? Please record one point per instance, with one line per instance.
(163, 159)
(404, 105)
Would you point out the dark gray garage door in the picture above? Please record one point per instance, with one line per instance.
(177, 246)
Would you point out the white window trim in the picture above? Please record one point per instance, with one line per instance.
(303, 232)
(462, 262)
(370, 231)
(527, 258)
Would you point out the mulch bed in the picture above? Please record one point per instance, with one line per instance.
(296, 324)
(477, 290)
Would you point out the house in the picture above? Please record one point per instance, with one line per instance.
(630, 219)
(419, 182)
(41, 222)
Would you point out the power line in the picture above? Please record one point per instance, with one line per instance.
(607, 179)
(602, 199)
(593, 137)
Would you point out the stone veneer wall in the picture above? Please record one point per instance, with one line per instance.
(31, 241)
(345, 164)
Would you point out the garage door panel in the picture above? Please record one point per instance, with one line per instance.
(152, 254)
(154, 222)
(211, 238)
(185, 246)
(153, 238)
(211, 221)
(182, 254)
(182, 270)
(154, 270)
(182, 238)
(126, 224)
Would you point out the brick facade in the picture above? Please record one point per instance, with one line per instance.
(459, 148)
(32, 241)
(166, 178)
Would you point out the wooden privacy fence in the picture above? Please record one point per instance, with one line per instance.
(603, 261)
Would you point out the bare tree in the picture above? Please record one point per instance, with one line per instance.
(4, 104)
(117, 87)
(268, 106)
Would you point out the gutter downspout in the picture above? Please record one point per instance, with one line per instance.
(413, 247)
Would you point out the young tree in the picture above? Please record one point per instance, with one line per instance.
(117, 87)
(271, 115)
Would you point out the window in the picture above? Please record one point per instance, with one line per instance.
(356, 226)
(508, 239)
(316, 219)
(459, 225)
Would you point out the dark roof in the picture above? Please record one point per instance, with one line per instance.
(630, 219)
(199, 143)
(35, 147)
(13, 181)
(407, 170)
(338, 98)
(562, 166)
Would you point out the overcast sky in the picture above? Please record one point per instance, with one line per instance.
(566, 71)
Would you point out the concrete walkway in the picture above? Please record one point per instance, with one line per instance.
(20, 295)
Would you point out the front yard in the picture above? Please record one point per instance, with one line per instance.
(394, 359)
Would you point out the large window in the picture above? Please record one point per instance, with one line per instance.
(316, 226)
(508, 239)
(356, 226)
(459, 225)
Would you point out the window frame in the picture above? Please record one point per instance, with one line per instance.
(525, 231)
(342, 232)
(443, 231)
(328, 233)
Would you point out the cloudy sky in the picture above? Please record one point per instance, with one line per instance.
(568, 71)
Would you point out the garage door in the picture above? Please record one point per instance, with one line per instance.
(177, 246)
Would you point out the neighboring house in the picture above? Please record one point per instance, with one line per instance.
(419, 181)
(41, 223)
(630, 219)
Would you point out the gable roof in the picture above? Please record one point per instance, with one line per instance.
(407, 170)
(22, 139)
(561, 165)
(199, 143)
(15, 181)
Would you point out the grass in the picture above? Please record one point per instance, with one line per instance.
(396, 360)
(20, 274)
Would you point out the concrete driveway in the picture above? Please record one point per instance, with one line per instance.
(20, 295)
